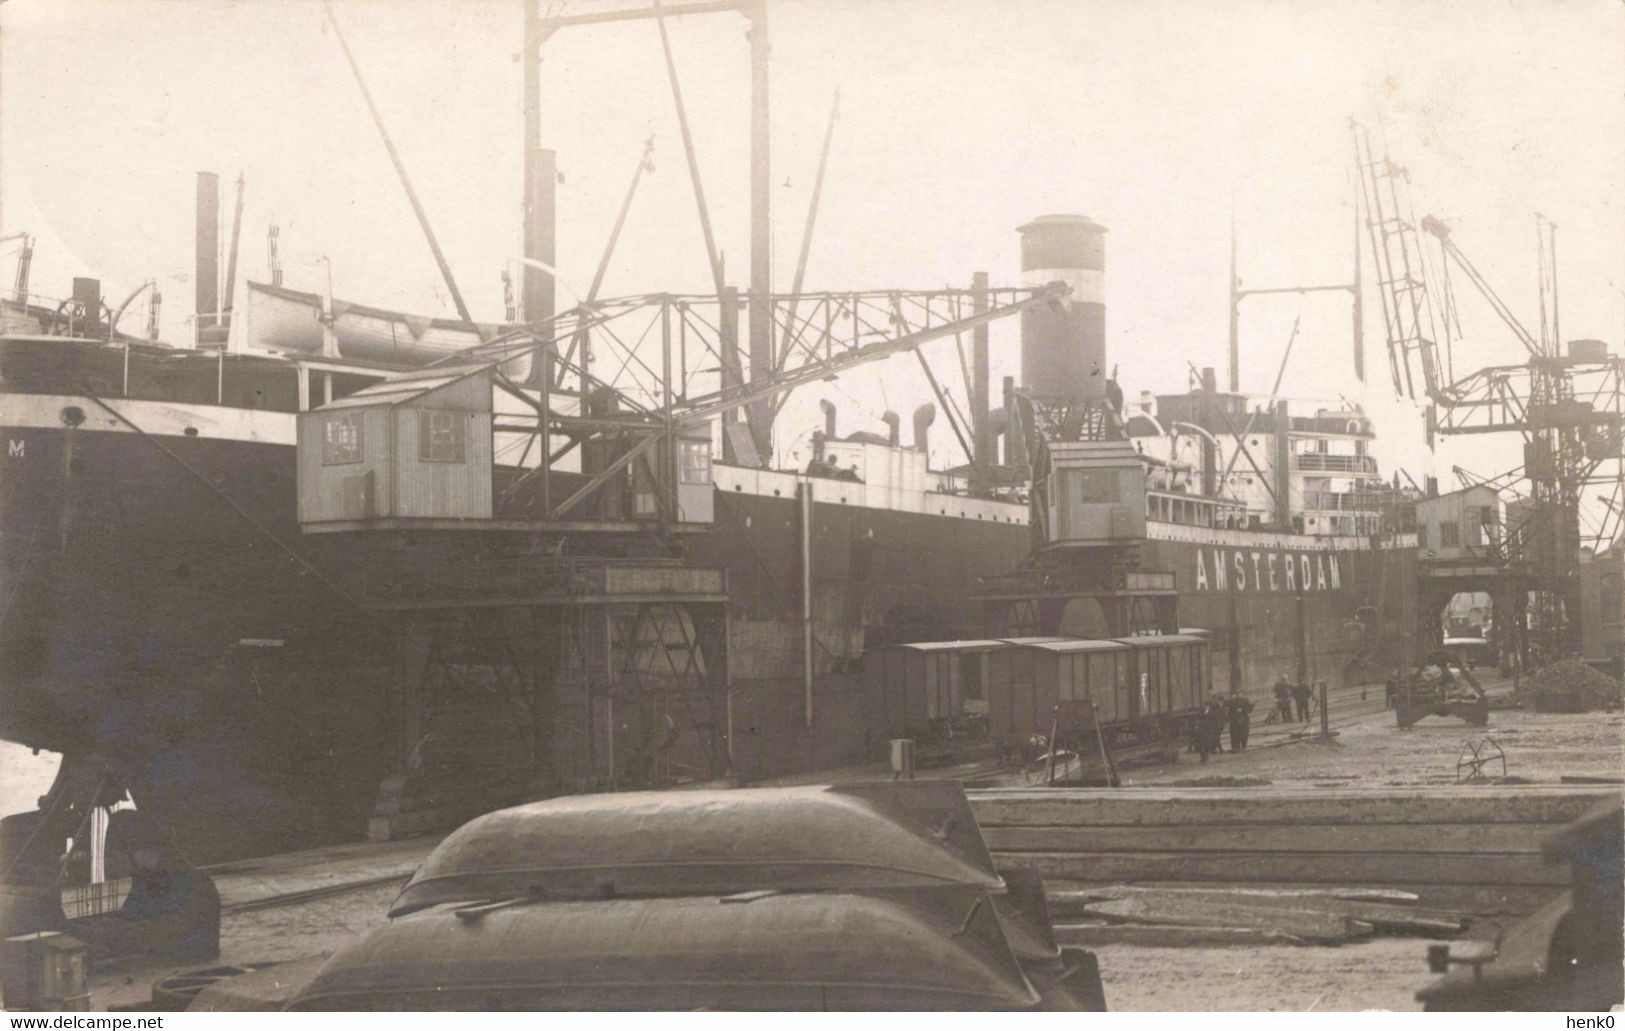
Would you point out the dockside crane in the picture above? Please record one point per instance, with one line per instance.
(1566, 401)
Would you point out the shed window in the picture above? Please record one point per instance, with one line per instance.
(1449, 535)
(341, 438)
(442, 436)
(1096, 486)
(696, 456)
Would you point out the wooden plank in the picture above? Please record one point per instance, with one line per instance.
(1475, 899)
(1286, 790)
(1501, 838)
(1168, 937)
(1288, 868)
(1064, 891)
(1381, 915)
(1223, 807)
(1184, 912)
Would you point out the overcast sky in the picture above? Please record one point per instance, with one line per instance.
(960, 120)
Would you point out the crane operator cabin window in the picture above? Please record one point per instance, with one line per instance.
(442, 436)
(341, 439)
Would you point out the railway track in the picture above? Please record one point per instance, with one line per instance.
(326, 891)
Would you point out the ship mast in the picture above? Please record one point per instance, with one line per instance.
(540, 177)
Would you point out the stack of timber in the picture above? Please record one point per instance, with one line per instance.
(1133, 914)
(1267, 865)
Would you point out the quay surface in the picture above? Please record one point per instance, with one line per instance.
(304, 903)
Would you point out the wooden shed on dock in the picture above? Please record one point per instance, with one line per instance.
(416, 445)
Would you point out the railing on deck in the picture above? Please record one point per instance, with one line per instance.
(1314, 462)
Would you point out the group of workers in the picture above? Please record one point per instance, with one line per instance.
(1235, 712)
(1289, 696)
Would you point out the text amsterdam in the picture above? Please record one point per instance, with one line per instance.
(1235, 569)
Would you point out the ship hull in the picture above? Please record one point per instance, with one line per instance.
(162, 609)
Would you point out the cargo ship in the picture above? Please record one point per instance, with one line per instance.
(164, 612)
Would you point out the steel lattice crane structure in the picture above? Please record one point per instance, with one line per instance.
(637, 370)
(1565, 401)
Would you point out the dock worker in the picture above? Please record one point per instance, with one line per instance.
(1240, 710)
(1210, 727)
(1198, 732)
(1283, 698)
(1300, 694)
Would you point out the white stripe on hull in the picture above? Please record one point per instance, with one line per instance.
(159, 418)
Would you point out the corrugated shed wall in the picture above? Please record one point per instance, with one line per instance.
(322, 488)
(445, 490)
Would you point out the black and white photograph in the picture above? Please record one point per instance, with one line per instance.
(804, 505)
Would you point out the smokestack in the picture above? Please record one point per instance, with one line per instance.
(894, 426)
(1063, 346)
(924, 416)
(207, 265)
(829, 418)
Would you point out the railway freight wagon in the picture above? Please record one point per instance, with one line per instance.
(1146, 690)
(931, 691)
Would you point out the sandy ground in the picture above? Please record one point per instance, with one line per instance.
(1369, 749)
(1382, 973)
(1379, 974)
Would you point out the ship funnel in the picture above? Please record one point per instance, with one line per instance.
(829, 418)
(893, 421)
(1063, 345)
(924, 416)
